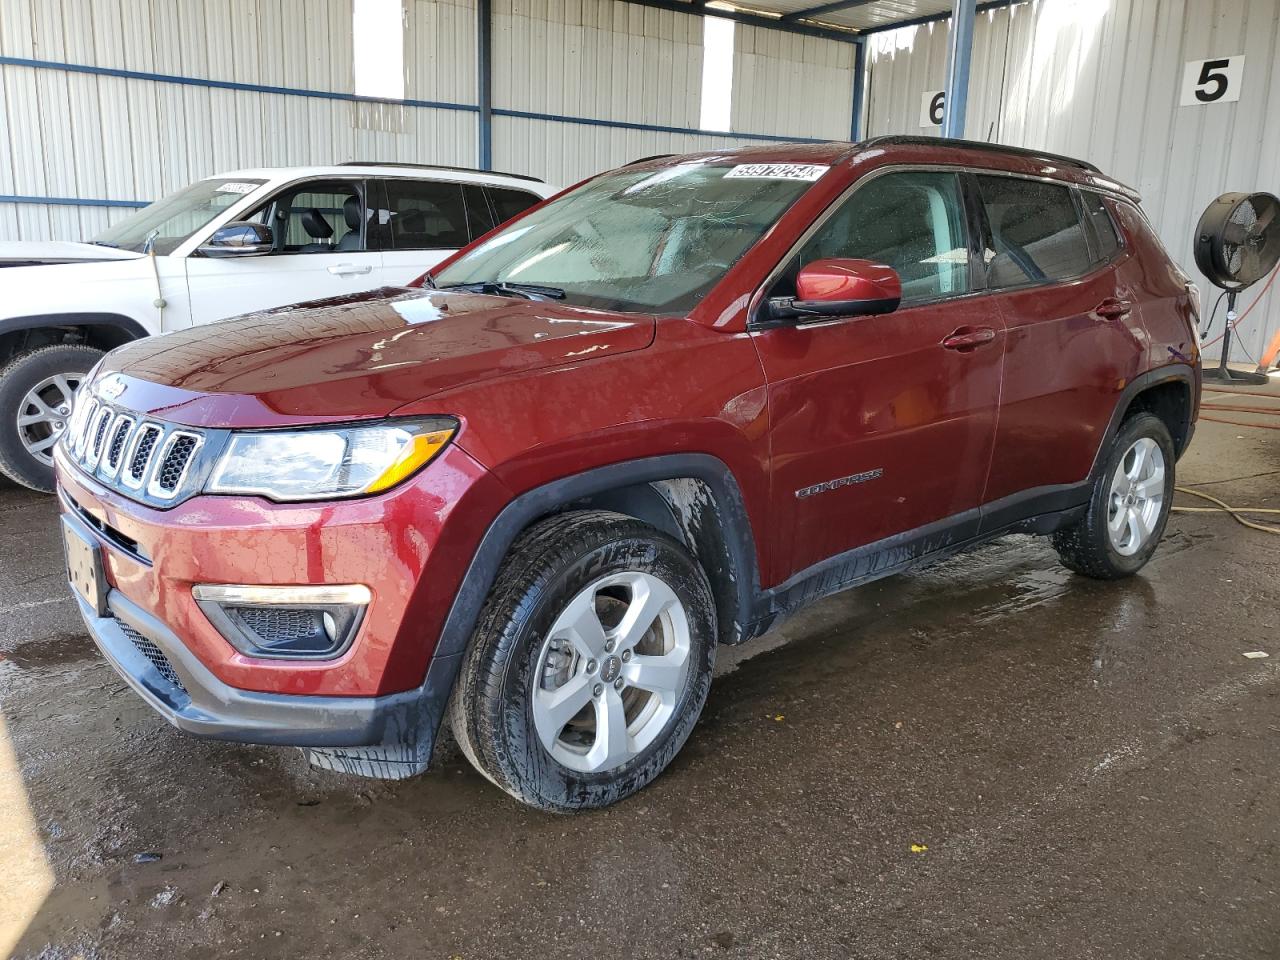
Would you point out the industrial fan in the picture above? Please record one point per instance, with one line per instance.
(1237, 244)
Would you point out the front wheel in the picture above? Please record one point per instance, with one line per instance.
(37, 390)
(590, 664)
(1129, 505)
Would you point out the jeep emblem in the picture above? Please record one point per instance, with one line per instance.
(111, 387)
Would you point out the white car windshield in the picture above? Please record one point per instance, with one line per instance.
(651, 241)
(163, 225)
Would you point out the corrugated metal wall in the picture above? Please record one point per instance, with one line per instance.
(799, 86)
(95, 137)
(610, 60)
(1100, 79)
(101, 138)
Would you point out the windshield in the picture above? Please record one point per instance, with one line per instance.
(651, 241)
(176, 217)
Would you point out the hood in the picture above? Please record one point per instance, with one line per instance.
(26, 253)
(356, 357)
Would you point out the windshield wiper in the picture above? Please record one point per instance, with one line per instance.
(502, 288)
(103, 243)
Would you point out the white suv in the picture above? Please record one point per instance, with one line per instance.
(230, 244)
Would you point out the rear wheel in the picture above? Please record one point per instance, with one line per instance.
(37, 390)
(1129, 505)
(590, 664)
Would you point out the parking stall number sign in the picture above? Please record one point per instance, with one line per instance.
(1212, 81)
(932, 104)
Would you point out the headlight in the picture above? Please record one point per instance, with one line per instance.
(325, 462)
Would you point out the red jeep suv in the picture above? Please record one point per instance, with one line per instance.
(531, 494)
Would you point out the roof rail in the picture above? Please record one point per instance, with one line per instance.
(656, 156)
(437, 166)
(912, 141)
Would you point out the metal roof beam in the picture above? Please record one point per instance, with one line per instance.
(817, 11)
(959, 55)
(935, 17)
(697, 9)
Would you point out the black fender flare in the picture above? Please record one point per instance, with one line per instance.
(540, 501)
(35, 321)
(1170, 373)
(420, 727)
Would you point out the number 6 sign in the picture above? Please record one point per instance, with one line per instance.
(932, 104)
(1212, 81)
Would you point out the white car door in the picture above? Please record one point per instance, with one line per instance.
(322, 250)
(420, 222)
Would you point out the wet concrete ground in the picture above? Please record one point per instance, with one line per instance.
(992, 758)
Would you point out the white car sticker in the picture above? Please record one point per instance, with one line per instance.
(777, 171)
(238, 187)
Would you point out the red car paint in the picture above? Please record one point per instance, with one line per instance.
(545, 391)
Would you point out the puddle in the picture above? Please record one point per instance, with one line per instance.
(57, 650)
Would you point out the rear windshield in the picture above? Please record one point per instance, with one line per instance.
(651, 241)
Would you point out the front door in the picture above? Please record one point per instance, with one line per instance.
(321, 250)
(884, 424)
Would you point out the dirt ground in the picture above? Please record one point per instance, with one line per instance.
(991, 758)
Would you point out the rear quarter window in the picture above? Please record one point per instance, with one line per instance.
(508, 203)
(1035, 234)
(1102, 229)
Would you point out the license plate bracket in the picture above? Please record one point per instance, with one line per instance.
(84, 567)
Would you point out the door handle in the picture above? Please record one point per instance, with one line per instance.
(969, 338)
(349, 269)
(1112, 309)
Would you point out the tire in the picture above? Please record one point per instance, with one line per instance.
(1122, 526)
(536, 641)
(44, 373)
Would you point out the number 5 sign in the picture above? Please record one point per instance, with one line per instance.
(1212, 81)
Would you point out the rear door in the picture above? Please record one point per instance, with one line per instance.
(878, 426)
(1050, 257)
(420, 222)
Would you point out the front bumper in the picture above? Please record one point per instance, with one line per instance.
(388, 736)
(375, 709)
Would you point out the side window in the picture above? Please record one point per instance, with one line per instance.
(507, 203)
(479, 217)
(1106, 243)
(1036, 234)
(911, 221)
(424, 215)
(317, 217)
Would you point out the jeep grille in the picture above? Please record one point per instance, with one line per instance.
(143, 458)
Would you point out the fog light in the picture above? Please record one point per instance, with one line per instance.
(308, 622)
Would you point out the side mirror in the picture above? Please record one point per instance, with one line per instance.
(840, 288)
(240, 238)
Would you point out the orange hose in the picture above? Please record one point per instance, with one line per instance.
(1242, 408)
(1241, 423)
(1247, 310)
(1243, 393)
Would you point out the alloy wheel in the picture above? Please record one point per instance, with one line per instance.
(1136, 496)
(44, 412)
(611, 671)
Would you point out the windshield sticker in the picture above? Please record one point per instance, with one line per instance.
(777, 171)
(241, 188)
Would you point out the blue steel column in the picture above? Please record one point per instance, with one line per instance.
(484, 82)
(859, 86)
(959, 53)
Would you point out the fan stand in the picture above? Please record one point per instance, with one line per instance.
(1224, 374)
